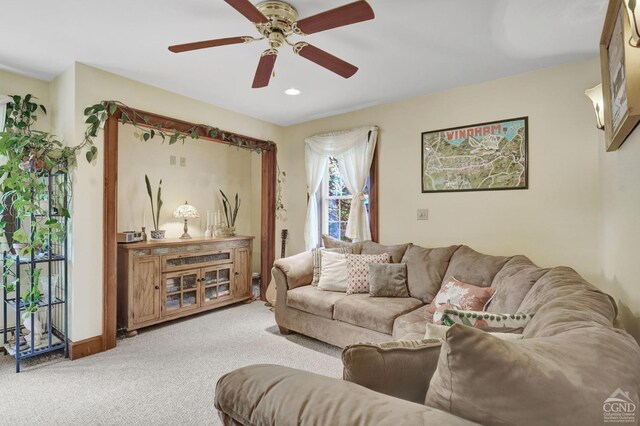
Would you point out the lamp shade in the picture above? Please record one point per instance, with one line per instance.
(186, 211)
(595, 94)
(633, 10)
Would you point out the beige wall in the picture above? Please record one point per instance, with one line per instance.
(555, 222)
(620, 177)
(209, 167)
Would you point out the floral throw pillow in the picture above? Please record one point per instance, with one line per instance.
(358, 270)
(481, 319)
(455, 294)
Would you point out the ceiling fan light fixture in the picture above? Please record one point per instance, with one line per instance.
(292, 91)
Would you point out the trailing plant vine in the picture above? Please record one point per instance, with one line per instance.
(96, 115)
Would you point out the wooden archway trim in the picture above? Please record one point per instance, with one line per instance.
(110, 208)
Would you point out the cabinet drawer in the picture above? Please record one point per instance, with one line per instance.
(176, 262)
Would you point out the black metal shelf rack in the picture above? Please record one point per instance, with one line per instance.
(51, 261)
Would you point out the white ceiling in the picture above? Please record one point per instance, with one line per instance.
(412, 47)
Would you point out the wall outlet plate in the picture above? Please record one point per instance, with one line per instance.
(423, 214)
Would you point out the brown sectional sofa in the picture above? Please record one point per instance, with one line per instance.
(569, 362)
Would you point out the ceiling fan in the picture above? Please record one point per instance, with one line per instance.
(276, 21)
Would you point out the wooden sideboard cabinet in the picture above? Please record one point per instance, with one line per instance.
(160, 280)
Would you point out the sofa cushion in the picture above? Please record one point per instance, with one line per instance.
(310, 299)
(261, 395)
(425, 270)
(437, 331)
(560, 380)
(374, 313)
(388, 280)
(411, 323)
(402, 369)
(396, 251)
(358, 270)
(562, 300)
(333, 271)
(512, 283)
(472, 267)
(330, 242)
(482, 319)
(317, 260)
(456, 294)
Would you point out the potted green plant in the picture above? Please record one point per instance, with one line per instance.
(31, 160)
(156, 233)
(230, 215)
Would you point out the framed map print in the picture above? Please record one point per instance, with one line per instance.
(620, 65)
(479, 157)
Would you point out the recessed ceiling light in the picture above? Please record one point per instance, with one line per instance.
(292, 92)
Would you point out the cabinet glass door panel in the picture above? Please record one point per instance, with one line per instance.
(223, 290)
(172, 284)
(210, 294)
(210, 278)
(224, 274)
(172, 302)
(189, 281)
(189, 299)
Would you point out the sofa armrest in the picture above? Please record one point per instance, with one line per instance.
(402, 369)
(297, 269)
(276, 395)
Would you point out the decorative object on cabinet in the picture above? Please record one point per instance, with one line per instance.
(595, 94)
(163, 280)
(34, 282)
(156, 234)
(186, 212)
(230, 215)
(620, 67)
(633, 10)
(479, 157)
(208, 233)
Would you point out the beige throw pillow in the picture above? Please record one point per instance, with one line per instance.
(317, 260)
(333, 272)
(358, 270)
(388, 280)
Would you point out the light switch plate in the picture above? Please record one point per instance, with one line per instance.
(183, 162)
(172, 160)
(423, 214)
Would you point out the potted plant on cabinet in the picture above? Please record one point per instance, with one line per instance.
(230, 215)
(156, 234)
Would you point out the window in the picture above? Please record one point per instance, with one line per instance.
(336, 202)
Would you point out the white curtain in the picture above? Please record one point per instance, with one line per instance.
(354, 150)
(3, 110)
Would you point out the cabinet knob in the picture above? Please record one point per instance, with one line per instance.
(236, 273)
(157, 287)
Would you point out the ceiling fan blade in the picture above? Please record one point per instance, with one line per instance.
(248, 10)
(344, 15)
(324, 59)
(209, 43)
(265, 68)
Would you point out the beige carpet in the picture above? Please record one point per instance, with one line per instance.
(164, 376)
